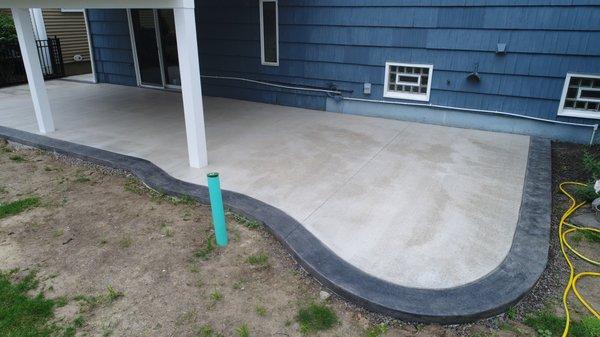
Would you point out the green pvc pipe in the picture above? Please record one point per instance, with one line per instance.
(216, 207)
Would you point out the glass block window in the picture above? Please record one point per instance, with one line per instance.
(581, 96)
(407, 81)
(583, 93)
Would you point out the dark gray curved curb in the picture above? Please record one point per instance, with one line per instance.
(486, 297)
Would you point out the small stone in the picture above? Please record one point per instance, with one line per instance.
(587, 219)
(324, 296)
(363, 321)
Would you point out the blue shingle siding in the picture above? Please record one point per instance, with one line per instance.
(347, 42)
(113, 58)
(229, 45)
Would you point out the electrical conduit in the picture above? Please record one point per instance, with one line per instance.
(339, 93)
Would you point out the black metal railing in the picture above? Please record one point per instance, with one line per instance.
(12, 70)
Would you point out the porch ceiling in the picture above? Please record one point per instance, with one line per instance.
(417, 205)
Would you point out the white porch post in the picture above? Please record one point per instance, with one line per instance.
(35, 78)
(191, 89)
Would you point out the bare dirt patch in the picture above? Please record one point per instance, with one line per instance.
(96, 229)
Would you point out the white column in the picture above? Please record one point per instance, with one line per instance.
(39, 32)
(35, 78)
(39, 27)
(191, 89)
(91, 49)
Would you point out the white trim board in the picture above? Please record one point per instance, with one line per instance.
(78, 4)
(89, 41)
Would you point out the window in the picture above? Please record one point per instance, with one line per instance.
(269, 33)
(71, 10)
(581, 96)
(407, 81)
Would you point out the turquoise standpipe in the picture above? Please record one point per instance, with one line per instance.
(216, 207)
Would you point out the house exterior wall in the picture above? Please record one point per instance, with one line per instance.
(69, 27)
(111, 45)
(347, 42)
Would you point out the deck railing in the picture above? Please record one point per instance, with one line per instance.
(12, 70)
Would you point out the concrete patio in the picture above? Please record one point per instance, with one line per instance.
(417, 205)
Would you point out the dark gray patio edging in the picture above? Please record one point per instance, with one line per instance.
(486, 297)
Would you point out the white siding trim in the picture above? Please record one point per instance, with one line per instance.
(77, 4)
(89, 41)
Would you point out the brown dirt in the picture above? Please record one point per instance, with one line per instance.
(98, 228)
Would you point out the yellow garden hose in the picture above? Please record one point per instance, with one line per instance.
(564, 245)
(581, 256)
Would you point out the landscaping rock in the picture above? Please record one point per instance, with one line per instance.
(324, 296)
(587, 219)
(363, 321)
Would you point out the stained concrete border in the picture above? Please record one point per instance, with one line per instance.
(488, 296)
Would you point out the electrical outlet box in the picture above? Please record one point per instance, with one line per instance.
(367, 89)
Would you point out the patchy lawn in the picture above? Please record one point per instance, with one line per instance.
(111, 258)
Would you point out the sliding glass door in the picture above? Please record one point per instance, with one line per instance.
(155, 45)
(146, 46)
(169, 47)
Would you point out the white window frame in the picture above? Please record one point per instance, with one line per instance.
(407, 95)
(262, 34)
(568, 112)
(72, 10)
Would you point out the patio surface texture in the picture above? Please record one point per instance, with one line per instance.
(416, 205)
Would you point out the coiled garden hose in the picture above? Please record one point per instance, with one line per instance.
(565, 246)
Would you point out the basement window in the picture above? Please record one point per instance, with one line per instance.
(407, 81)
(269, 33)
(581, 96)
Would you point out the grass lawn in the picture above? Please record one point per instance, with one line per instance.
(23, 315)
(86, 251)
